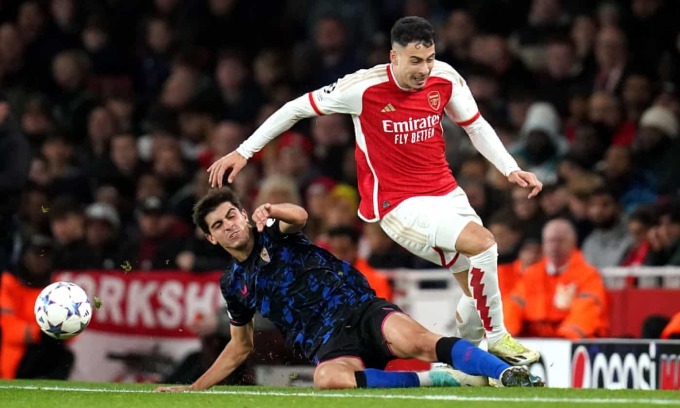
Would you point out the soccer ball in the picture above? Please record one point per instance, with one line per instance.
(62, 310)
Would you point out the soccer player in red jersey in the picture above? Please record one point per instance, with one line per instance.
(404, 180)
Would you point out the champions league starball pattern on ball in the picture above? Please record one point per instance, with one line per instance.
(62, 310)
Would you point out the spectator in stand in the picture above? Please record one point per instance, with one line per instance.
(640, 223)
(563, 72)
(169, 164)
(605, 111)
(155, 64)
(541, 144)
(26, 351)
(101, 126)
(15, 160)
(383, 253)
(33, 212)
(664, 239)
(527, 212)
(122, 168)
(633, 187)
(72, 101)
(199, 255)
(636, 96)
(102, 226)
(583, 32)
(149, 184)
(66, 177)
(225, 137)
(329, 57)
(197, 121)
(278, 189)
(331, 134)
(456, 39)
(316, 197)
(155, 245)
(343, 243)
(554, 201)
(14, 72)
(657, 148)
(560, 296)
(67, 223)
(607, 244)
(611, 55)
(36, 119)
(509, 236)
(240, 97)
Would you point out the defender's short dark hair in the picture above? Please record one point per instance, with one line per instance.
(210, 202)
(412, 29)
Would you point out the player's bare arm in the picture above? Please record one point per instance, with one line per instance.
(292, 218)
(526, 179)
(280, 121)
(234, 354)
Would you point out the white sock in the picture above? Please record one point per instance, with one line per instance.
(424, 378)
(468, 321)
(483, 281)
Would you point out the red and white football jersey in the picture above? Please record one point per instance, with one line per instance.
(400, 150)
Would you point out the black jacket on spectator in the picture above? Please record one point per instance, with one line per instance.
(15, 159)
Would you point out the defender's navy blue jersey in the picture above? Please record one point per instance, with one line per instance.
(303, 289)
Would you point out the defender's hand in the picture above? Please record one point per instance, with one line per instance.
(261, 215)
(174, 388)
(230, 165)
(526, 179)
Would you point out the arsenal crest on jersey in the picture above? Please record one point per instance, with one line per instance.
(434, 99)
(265, 255)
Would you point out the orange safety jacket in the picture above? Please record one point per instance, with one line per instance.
(378, 282)
(508, 275)
(17, 322)
(672, 328)
(531, 310)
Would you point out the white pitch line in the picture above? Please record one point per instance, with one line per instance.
(321, 394)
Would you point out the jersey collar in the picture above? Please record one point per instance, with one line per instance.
(390, 75)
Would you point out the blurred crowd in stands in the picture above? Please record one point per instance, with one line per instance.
(112, 110)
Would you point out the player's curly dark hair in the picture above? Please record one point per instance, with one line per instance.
(210, 201)
(412, 29)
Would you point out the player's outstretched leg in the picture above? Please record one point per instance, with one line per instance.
(470, 359)
(348, 372)
(437, 377)
(483, 282)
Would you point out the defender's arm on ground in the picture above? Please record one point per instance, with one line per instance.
(234, 354)
(292, 218)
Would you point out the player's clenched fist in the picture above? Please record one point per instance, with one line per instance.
(230, 165)
(261, 215)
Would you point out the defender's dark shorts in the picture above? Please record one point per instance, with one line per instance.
(362, 336)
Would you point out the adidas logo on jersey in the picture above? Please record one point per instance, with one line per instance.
(388, 108)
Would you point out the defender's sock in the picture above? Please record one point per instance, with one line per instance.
(464, 356)
(372, 378)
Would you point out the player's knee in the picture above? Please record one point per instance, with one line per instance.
(331, 378)
(484, 240)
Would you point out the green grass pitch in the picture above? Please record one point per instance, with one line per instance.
(51, 394)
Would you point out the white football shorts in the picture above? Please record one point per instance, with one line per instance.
(428, 226)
